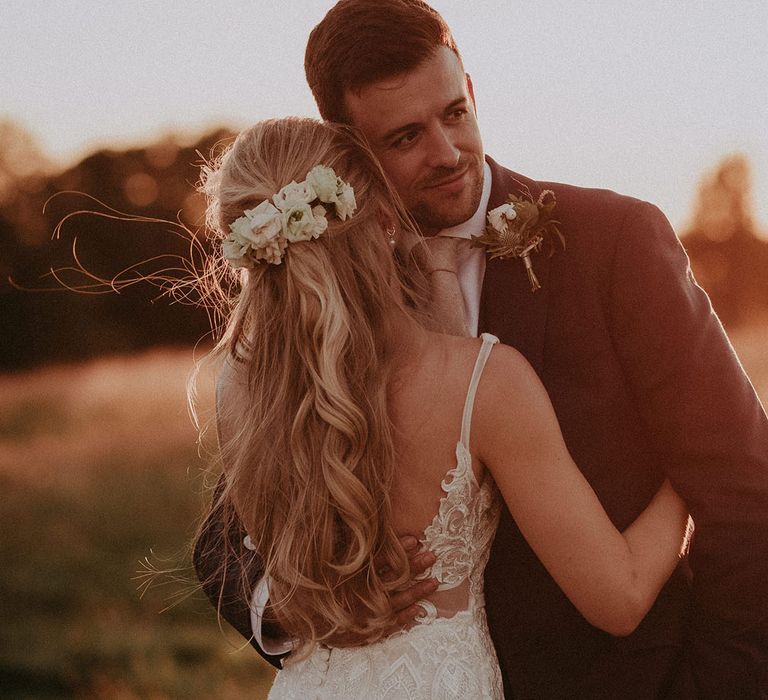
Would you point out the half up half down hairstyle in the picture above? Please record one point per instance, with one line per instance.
(306, 440)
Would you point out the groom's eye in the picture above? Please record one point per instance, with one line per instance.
(458, 113)
(405, 139)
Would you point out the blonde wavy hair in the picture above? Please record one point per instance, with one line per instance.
(307, 447)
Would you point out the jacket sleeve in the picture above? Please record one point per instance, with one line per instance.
(223, 587)
(711, 433)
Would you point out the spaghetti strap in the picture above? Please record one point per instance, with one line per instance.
(482, 357)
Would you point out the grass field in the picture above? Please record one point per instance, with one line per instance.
(98, 465)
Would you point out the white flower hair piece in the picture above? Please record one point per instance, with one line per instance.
(298, 212)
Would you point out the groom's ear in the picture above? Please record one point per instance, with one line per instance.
(471, 91)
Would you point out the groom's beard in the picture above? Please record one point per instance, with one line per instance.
(434, 210)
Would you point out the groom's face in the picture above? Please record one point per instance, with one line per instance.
(422, 126)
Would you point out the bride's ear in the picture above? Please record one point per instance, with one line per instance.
(385, 218)
(399, 236)
(390, 226)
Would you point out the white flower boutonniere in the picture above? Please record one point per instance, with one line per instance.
(519, 227)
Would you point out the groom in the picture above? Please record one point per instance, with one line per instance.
(643, 380)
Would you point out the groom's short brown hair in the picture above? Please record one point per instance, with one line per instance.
(362, 41)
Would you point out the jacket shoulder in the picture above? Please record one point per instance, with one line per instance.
(593, 217)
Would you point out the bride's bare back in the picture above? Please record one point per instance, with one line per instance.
(427, 406)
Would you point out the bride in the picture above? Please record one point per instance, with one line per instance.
(345, 419)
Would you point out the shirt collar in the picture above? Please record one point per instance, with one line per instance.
(476, 223)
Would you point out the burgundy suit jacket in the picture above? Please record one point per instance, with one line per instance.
(645, 385)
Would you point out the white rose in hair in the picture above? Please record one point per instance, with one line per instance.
(257, 224)
(294, 193)
(300, 223)
(272, 252)
(499, 217)
(345, 204)
(324, 182)
(321, 223)
(240, 230)
(235, 251)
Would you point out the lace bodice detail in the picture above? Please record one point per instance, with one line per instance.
(461, 532)
(442, 656)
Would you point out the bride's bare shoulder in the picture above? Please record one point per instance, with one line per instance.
(510, 392)
(436, 377)
(458, 349)
(450, 360)
(507, 364)
(453, 356)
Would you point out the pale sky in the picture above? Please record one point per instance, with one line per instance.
(639, 96)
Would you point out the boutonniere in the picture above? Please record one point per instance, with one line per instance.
(520, 227)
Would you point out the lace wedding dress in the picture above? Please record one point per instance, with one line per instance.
(448, 653)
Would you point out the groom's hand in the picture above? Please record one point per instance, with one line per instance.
(404, 610)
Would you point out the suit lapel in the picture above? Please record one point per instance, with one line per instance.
(508, 307)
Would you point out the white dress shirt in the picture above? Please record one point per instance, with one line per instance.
(471, 270)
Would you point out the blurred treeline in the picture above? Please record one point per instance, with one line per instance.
(728, 252)
(42, 320)
(728, 255)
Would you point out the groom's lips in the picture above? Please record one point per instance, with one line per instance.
(455, 183)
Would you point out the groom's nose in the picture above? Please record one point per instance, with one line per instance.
(442, 152)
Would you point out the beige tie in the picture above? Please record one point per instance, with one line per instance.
(439, 263)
